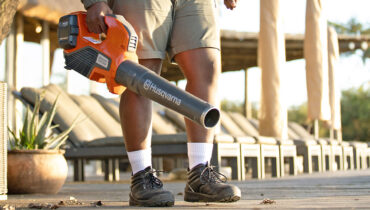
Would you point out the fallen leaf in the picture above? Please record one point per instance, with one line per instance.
(268, 201)
(97, 203)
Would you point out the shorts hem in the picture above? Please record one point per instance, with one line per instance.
(182, 48)
(151, 55)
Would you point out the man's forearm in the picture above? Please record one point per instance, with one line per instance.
(88, 3)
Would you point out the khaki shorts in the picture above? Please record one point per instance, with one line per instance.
(174, 26)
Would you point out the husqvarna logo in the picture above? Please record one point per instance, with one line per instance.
(150, 86)
(147, 84)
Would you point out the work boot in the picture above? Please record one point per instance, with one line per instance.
(206, 185)
(147, 190)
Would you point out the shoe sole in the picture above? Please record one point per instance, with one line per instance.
(150, 203)
(199, 197)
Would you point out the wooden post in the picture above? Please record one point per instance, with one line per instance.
(247, 104)
(14, 47)
(331, 134)
(9, 74)
(18, 65)
(45, 44)
(339, 135)
(316, 129)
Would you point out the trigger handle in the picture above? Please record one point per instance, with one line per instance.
(133, 38)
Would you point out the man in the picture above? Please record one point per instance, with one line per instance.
(188, 31)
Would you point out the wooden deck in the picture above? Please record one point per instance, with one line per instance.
(334, 190)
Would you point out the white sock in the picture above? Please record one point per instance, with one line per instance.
(140, 159)
(199, 153)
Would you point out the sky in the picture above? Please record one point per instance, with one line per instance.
(352, 72)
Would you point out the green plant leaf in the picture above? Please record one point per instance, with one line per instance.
(62, 137)
(42, 121)
(14, 144)
(46, 125)
(23, 133)
(61, 142)
(35, 116)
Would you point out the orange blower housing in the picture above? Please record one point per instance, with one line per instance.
(93, 57)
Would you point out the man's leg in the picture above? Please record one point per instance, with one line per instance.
(136, 117)
(136, 114)
(202, 67)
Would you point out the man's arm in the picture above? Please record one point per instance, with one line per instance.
(96, 10)
(89, 3)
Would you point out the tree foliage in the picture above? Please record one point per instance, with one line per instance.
(298, 114)
(353, 26)
(356, 114)
(233, 106)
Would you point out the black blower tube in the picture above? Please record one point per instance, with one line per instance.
(145, 82)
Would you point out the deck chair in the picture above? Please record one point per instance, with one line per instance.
(287, 149)
(307, 147)
(336, 155)
(341, 154)
(224, 146)
(348, 158)
(360, 150)
(332, 151)
(268, 146)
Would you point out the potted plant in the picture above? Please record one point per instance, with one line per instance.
(35, 162)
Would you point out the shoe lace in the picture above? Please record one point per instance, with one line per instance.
(209, 175)
(152, 180)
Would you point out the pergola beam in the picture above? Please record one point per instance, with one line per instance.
(239, 51)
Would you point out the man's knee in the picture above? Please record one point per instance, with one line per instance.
(200, 65)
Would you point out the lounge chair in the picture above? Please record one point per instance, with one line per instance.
(348, 159)
(360, 154)
(287, 149)
(268, 146)
(333, 151)
(307, 147)
(336, 155)
(224, 147)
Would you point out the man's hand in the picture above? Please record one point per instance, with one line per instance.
(230, 4)
(95, 17)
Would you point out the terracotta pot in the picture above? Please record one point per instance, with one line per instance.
(36, 171)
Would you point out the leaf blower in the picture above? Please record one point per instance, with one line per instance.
(114, 61)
